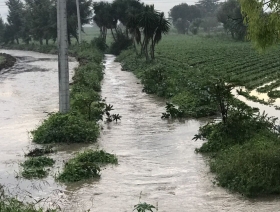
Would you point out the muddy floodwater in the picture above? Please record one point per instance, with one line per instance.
(156, 157)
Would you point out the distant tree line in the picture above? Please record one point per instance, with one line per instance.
(37, 20)
(129, 21)
(207, 14)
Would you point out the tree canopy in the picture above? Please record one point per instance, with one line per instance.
(182, 15)
(263, 21)
(229, 13)
(37, 20)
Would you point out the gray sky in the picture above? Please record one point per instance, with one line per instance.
(162, 5)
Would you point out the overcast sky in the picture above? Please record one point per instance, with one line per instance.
(162, 5)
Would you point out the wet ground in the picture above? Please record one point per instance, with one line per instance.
(156, 157)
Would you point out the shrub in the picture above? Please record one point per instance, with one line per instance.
(85, 165)
(240, 127)
(100, 43)
(66, 128)
(121, 43)
(251, 169)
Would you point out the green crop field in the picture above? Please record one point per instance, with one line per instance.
(237, 61)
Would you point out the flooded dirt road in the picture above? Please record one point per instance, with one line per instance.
(156, 157)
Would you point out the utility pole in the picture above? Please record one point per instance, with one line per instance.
(63, 69)
(79, 21)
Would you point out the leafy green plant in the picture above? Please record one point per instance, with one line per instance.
(65, 128)
(34, 167)
(172, 111)
(38, 162)
(251, 169)
(143, 207)
(85, 165)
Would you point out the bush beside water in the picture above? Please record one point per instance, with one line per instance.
(86, 165)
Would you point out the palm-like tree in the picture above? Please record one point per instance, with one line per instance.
(147, 22)
(153, 25)
(134, 30)
(163, 27)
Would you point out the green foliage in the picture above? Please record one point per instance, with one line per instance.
(67, 128)
(143, 207)
(242, 124)
(251, 169)
(86, 165)
(263, 26)
(38, 162)
(100, 43)
(182, 15)
(274, 94)
(8, 204)
(251, 97)
(35, 167)
(230, 15)
(172, 111)
(121, 42)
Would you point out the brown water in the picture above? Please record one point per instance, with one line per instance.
(156, 157)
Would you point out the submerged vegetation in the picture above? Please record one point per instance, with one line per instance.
(9, 204)
(86, 165)
(34, 167)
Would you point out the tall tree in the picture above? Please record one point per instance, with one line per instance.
(2, 30)
(182, 15)
(153, 25)
(38, 15)
(104, 18)
(125, 8)
(85, 13)
(263, 27)
(208, 7)
(229, 13)
(14, 18)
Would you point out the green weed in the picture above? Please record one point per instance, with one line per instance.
(86, 165)
(35, 167)
(65, 128)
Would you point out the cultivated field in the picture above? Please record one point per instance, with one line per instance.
(236, 61)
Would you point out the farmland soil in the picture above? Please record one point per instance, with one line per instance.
(156, 157)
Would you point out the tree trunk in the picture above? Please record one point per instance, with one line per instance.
(153, 49)
(17, 40)
(47, 41)
(41, 41)
(113, 35)
(135, 47)
(69, 40)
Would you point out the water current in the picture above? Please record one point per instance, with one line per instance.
(156, 157)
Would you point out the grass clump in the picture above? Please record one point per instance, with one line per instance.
(67, 128)
(8, 204)
(35, 167)
(86, 165)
